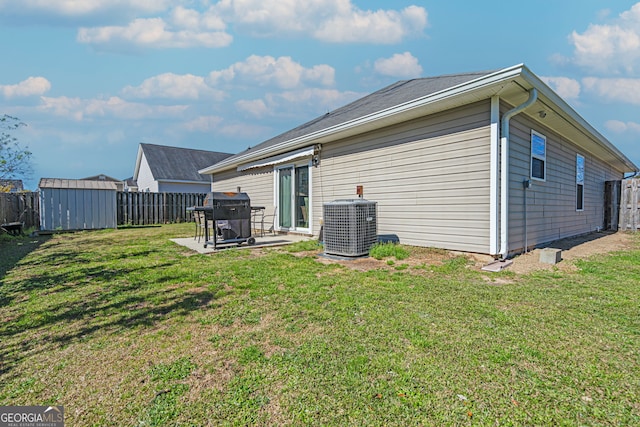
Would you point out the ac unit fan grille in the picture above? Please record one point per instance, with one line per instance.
(350, 227)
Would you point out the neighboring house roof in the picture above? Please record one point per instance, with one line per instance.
(410, 99)
(175, 163)
(130, 182)
(102, 177)
(62, 183)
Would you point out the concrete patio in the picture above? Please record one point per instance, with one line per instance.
(261, 242)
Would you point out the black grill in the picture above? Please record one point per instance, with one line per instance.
(231, 215)
(229, 206)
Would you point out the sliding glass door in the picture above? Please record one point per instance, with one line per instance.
(285, 198)
(293, 198)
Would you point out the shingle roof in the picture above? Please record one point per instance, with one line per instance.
(396, 94)
(175, 163)
(131, 182)
(76, 184)
(102, 177)
(411, 99)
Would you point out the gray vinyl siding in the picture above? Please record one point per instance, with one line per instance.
(430, 178)
(183, 187)
(257, 183)
(551, 205)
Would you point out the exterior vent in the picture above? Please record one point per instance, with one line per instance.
(350, 227)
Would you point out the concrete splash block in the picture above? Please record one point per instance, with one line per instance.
(550, 255)
(497, 266)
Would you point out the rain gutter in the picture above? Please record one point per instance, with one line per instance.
(370, 119)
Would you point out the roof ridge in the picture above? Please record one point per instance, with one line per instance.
(468, 73)
(182, 148)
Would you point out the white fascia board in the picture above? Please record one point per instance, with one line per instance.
(136, 171)
(461, 89)
(577, 119)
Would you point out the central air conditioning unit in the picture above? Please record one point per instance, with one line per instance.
(350, 227)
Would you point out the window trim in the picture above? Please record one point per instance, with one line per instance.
(542, 158)
(580, 183)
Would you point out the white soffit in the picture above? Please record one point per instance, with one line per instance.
(275, 160)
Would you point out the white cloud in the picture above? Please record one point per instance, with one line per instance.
(337, 21)
(29, 87)
(322, 74)
(282, 72)
(290, 103)
(63, 106)
(153, 33)
(194, 20)
(617, 126)
(170, 24)
(564, 86)
(256, 107)
(403, 65)
(245, 131)
(114, 107)
(203, 124)
(320, 100)
(380, 27)
(613, 47)
(617, 90)
(173, 86)
(76, 8)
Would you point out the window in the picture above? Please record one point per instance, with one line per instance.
(579, 182)
(538, 156)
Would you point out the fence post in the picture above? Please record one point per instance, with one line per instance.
(634, 204)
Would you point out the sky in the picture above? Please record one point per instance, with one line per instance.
(93, 79)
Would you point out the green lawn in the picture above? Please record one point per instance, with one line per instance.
(125, 328)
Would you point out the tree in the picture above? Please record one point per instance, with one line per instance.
(15, 160)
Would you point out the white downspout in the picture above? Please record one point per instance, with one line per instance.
(494, 177)
(504, 170)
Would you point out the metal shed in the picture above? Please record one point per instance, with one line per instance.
(75, 204)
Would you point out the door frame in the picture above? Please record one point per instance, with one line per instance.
(276, 196)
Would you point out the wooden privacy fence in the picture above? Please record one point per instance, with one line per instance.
(629, 207)
(20, 207)
(155, 208)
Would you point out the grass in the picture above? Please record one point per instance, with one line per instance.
(385, 250)
(123, 327)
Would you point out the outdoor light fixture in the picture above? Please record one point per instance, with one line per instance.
(315, 159)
